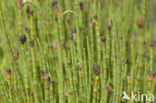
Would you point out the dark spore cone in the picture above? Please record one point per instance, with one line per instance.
(109, 27)
(29, 11)
(8, 71)
(96, 69)
(81, 5)
(16, 54)
(91, 21)
(126, 61)
(152, 76)
(95, 17)
(20, 3)
(120, 37)
(54, 3)
(23, 38)
(74, 30)
(140, 22)
(31, 42)
(31, 93)
(44, 75)
(153, 44)
(64, 45)
(103, 38)
(27, 29)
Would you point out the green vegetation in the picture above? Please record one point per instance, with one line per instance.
(75, 51)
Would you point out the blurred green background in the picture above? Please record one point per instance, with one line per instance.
(152, 15)
(152, 10)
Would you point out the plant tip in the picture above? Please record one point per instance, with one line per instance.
(74, 31)
(8, 71)
(31, 42)
(22, 38)
(81, 5)
(140, 22)
(53, 3)
(29, 11)
(109, 27)
(103, 38)
(16, 54)
(96, 68)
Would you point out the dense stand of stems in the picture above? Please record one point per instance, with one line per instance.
(75, 51)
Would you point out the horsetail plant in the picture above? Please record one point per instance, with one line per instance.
(76, 51)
